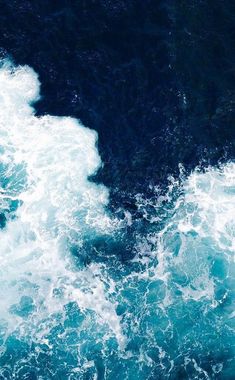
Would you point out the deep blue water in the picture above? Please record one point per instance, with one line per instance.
(117, 247)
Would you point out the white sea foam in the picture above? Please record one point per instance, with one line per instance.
(45, 163)
(198, 235)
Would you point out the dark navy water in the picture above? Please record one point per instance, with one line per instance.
(121, 268)
(154, 78)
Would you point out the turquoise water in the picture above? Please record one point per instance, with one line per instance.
(70, 308)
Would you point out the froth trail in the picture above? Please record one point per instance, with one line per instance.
(49, 204)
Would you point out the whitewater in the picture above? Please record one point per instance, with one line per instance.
(70, 308)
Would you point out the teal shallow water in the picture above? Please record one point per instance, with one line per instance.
(70, 308)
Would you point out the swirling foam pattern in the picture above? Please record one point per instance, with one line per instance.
(168, 313)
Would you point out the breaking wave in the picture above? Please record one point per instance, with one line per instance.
(166, 313)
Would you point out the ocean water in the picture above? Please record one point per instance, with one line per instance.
(117, 190)
(72, 305)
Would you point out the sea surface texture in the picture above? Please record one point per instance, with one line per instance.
(117, 190)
